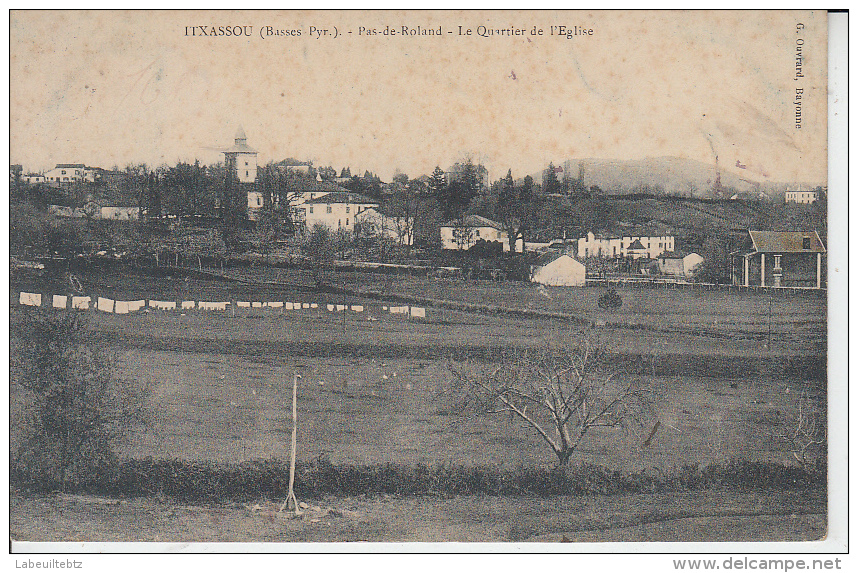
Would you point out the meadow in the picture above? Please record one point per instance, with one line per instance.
(725, 377)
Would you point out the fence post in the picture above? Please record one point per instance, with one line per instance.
(291, 495)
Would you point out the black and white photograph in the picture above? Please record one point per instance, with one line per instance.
(493, 278)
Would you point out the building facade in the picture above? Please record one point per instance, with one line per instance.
(616, 246)
(558, 269)
(335, 210)
(462, 234)
(68, 173)
(781, 259)
(399, 229)
(803, 197)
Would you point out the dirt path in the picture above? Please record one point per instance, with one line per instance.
(717, 515)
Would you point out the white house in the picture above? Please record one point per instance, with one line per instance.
(67, 173)
(558, 269)
(33, 178)
(677, 265)
(690, 262)
(637, 246)
(804, 197)
(400, 229)
(335, 210)
(464, 233)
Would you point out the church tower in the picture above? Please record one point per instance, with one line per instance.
(241, 159)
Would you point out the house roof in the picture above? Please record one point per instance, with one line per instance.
(344, 197)
(474, 221)
(70, 166)
(549, 258)
(786, 241)
(637, 245)
(240, 147)
(670, 255)
(308, 185)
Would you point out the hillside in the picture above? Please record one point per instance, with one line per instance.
(670, 175)
(690, 220)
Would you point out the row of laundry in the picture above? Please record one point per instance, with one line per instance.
(125, 306)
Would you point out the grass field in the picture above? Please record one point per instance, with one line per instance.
(787, 315)
(666, 308)
(363, 410)
(373, 391)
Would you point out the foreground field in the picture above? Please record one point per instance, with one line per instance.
(721, 515)
(375, 390)
(364, 410)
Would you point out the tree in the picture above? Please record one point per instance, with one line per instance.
(473, 176)
(269, 228)
(463, 235)
(550, 184)
(560, 394)
(516, 208)
(233, 207)
(407, 206)
(455, 199)
(437, 183)
(805, 432)
(72, 407)
(716, 266)
(318, 247)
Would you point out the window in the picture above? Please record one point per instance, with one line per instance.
(258, 200)
(478, 232)
(311, 210)
(347, 221)
(339, 222)
(247, 173)
(329, 209)
(347, 208)
(805, 243)
(246, 163)
(64, 172)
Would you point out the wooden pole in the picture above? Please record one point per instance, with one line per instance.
(291, 495)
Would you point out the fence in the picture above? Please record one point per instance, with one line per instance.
(666, 284)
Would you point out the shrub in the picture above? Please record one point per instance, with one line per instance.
(70, 406)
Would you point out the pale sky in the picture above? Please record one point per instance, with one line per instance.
(112, 88)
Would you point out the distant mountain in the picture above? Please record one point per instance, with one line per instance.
(667, 175)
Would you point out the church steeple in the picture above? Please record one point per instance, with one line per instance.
(240, 137)
(242, 158)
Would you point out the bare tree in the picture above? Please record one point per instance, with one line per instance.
(805, 433)
(463, 234)
(561, 394)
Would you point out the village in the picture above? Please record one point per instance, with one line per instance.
(452, 223)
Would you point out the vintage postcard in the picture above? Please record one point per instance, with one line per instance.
(286, 277)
